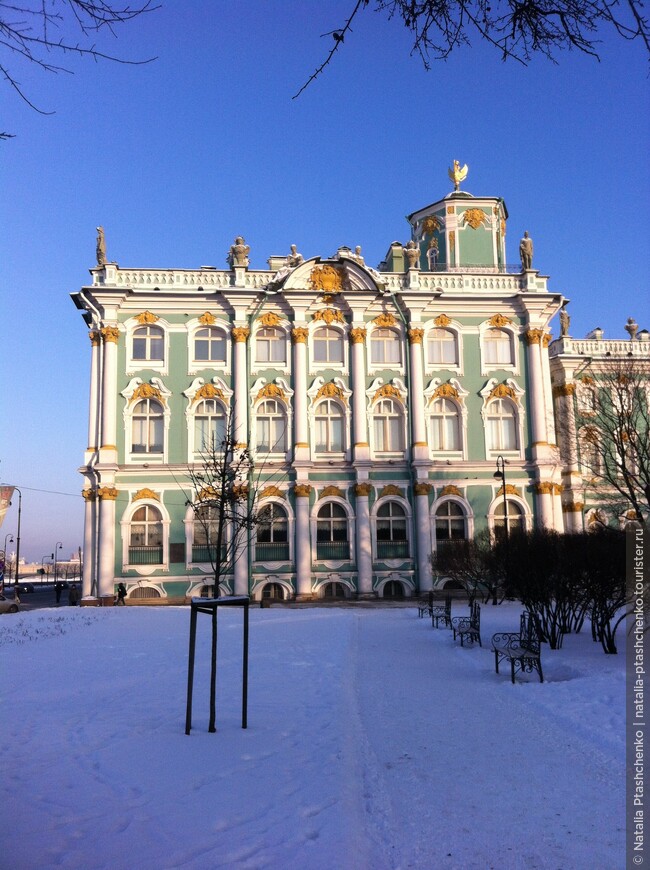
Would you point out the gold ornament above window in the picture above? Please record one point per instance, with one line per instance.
(450, 489)
(391, 489)
(207, 319)
(442, 320)
(329, 316)
(474, 217)
(445, 391)
(146, 391)
(146, 493)
(271, 391)
(269, 319)
(330, 391)
(208, 391)
(388, 391)
(384, 321)
(147, 317)
(502, 391)
(269, 491)
(499, 320)
(510, 490)
(332, 490)
(430, 225)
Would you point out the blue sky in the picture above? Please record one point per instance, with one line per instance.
(177, 157)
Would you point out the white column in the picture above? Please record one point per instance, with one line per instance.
(423, 532)
(302, 542)
(359, 418)
(544, 495)
(416, 401)
(299, 338)
(93, 406)
(548, 391)
(106, 579)
(90, 498)
(363, 540)
(240, 570)
(108, 435)
(240, 336)
(536, 391)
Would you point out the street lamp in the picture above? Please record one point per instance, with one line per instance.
(500, 474)
(20, 507)
(4, 555)
(57, 546)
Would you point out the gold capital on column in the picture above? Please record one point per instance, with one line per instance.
(111, 333)
(302, 490)
(422, 488)
(240, 333)
(89, 494)
(357, 335)
(299, 335)
(362, 489)
(416, 336)
(534, 336)
(94, 337)
(107, 492)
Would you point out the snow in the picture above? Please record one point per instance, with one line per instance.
(374, 741)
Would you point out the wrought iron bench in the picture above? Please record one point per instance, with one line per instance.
(441, 612)
(424, 607)
(521, 649)
(468, 627)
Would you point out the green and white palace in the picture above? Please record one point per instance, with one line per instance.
(376, 401)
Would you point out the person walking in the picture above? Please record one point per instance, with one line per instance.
(73, 595)
(58, 587)
(121, 594)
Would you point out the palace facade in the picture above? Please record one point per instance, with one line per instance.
(377, 401)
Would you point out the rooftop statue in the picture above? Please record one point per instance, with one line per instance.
(631, 327)
(526, 252)
(565, 320)
(458, 174)
(101, 247)
(239, 251)
(294, 258)
(412, 252)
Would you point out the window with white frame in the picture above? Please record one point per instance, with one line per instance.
(146, 537)
(148, 343)
(497, 347)
(587, 398)
(147, 427)
(514, 519)
(332, 532)
(388, 426)
(270, 346)
(210, 345)
(445, 425)
(329, 423)
(442, 348)
(502, 425)
(385, 347)
(591, 453)
(392, 539)
(271, 427)
(209, 426)
(451, 523)
(328, 345)
(272, 544)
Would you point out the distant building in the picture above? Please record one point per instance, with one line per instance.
(383, 399)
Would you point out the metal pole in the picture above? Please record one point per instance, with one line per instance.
(500, 473)
(190, 670)
(244, 708)
(20, 507)
(57, 546)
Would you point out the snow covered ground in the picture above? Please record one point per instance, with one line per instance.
(373, 742)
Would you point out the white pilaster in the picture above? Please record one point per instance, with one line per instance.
(544, 496)
(108, 435)
(240, 569)
(363, 540)
(93, 407)
(359, 417)
(90, 553)
(423, 532)
(419, 434)
(299, 338)
(240, 337)
(536, 390)
(106, 579)
(303, 543)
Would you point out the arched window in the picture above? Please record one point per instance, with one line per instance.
(497, 345)
(210, 345)
(146, 537)
(450, 524)
(332, 532)
(329, 426)
(442, 348)
(393, 589)
(328, 345)
(272, 534)
(445, 425)
(273, 591)
(270, 346)
(385, 347)
(206, 535)
(147, 431)
(591, 452)
(209, 426)
(502, 425)
(148, 343)
(388, 426)
(272, 436)
(514, 519)
(392, 541)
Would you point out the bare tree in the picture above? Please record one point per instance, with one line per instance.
(39, 31)
(224, 497)
(518, 29)
(613, 434)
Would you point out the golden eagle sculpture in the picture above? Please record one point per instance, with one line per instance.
(458, 174)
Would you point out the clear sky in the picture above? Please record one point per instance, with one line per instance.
(177, 157)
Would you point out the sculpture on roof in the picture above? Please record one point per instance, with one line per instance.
(412, 252)
(101, 247)
(294, 258)
(238, 254)
(458, 174)
(565, 320)
(526, 252)
(631, 327)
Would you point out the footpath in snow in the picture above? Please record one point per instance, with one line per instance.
(373, 742)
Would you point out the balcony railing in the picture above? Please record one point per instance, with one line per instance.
(392, 549)
(272, 551)
(332, 550)
(145, 555)
(201, 553)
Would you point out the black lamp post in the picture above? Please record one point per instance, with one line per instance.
(500, 474)
(58, 546)
(20, 507)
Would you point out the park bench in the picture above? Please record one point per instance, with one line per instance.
(521, 649)
(468, 628)
(441, 612)
(424, 606)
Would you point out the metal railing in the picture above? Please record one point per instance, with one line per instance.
(392, 549)
(145, 555)
(201, 553)
(272, 551)
(332, 550)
